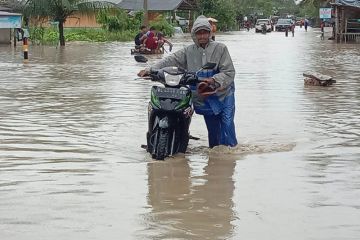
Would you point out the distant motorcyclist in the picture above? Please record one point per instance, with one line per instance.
(216, 105)
(140, 37)
(162, 40)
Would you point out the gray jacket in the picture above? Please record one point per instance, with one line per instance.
(193, 57)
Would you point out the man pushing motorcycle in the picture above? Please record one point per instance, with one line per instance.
(214, 96)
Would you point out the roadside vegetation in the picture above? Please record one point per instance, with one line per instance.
(231, 12)
(118, 25)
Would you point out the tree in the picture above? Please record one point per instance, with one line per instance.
(266, 7)
(311, 7)
(60, 10)
(222, 10)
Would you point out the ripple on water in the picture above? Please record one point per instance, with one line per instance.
(243, 149)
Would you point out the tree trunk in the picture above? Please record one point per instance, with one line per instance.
(61, 33)
(146, 13)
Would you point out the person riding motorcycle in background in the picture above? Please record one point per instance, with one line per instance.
(140, 37)
(217, 105)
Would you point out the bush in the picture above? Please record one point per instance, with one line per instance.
(98, 35)
(117, 25)
(41, 35)
(162, 25)
(118, 20)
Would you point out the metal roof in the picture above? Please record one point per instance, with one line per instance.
(156, 5)
(349, 3)
(2, 13)
(4, 8)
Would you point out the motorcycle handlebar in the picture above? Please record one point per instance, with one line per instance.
(188, 78)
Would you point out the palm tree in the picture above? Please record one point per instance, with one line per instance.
(60, 10)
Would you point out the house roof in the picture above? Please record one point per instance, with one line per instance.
(348, 3)
(158, 5)
(4, 8)
(2, 13)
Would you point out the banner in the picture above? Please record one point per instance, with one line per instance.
(325, 13)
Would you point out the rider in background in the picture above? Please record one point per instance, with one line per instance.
(140, 37)
(162, 40)
(151, 41)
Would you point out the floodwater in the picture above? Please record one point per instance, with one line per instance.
(72, 121)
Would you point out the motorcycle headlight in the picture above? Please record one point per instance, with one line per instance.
(172, 80)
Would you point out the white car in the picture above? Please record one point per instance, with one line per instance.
(260, 23)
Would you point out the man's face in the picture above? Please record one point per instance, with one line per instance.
(144, 30)
(202, 36)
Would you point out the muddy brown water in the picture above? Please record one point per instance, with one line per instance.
(72, 121)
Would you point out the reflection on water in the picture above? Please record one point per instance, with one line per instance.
(191, 201)
(72, 121)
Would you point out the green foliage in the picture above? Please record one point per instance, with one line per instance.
(50, 36)
(226, 11)
(162, 25)
(222, 10)
(41, 35)
(37, 35)
(60, 10)
(136, 21)
(310, 8)
(98, 35)
(113, 20)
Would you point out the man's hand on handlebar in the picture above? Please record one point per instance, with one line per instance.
(207, 87)
(210, 81)
(144, 73)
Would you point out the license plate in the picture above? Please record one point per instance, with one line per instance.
(173, 93)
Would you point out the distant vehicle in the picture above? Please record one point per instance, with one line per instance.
(260, 23)
(182, 21)
(283, 24)
(178, 31)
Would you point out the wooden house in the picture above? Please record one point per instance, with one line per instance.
(347, 20)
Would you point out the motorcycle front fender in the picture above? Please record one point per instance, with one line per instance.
(164, 122)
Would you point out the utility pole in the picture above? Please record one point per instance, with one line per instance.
(146, 15)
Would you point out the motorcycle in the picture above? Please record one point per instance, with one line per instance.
(170, 109)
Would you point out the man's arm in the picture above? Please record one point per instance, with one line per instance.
(177, 59)
(227, 71)
(143, 37)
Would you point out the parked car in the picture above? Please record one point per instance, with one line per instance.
(283, 24)
(260, 22)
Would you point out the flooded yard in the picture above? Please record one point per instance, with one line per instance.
(72, 121)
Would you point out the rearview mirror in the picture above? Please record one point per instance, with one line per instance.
(140, 58)
(209, 65)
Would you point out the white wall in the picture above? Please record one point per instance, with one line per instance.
(5, 36)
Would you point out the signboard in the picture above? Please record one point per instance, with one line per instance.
(325, 13)
(10, 21)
